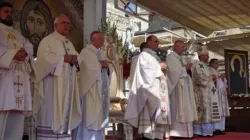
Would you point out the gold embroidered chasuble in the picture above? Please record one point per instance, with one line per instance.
(15, 92)
(206, 95)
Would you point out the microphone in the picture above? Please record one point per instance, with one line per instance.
(161, 54)
(76, 65)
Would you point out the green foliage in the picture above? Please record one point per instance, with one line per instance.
(126, 53)
(110, 30)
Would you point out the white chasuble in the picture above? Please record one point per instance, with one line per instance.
(94, 89)
(206, 98)
(91, 87)
(205, 93)
(132, 70)
(56, 98)
(15, 75)
(222, 92)
(182, 101)
(223, 101)
(15, 91)
(148, 96)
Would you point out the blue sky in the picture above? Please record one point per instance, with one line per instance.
(132, 6)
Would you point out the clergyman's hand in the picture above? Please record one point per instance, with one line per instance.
(163, 66)
(223, 75)
(214, 76)
(104, 64)
(163, 107)
(70, 58)
(23, 51)
(20, 55)
(188, 66)
(74, 59)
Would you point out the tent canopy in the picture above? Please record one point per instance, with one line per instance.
(202, 16)
(207, 16)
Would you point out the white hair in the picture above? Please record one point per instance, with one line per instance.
(57, 19)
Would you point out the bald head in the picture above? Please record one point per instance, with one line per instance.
(152, 42)
(61, 24)
(97, 39)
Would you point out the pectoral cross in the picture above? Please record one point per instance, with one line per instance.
(213, 90)
(19, 100)
(201, 66)
(199, 109)
(18, 84)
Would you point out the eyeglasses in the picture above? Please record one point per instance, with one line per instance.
(65, 22)
(156, 41)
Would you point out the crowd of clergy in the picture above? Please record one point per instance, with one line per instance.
(70, 95)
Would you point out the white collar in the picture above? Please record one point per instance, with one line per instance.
(177, 55)
(153, 53)
(60, 37)
(203, 63)
(95, 49)
(212, 69)
(149, 51)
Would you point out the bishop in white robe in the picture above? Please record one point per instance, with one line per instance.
(222, 92)
(15, 74)
(94, 91)
(148, 103)
(56, 99)
(206, 96)
(182, 102)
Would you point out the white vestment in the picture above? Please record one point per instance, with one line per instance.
(15, 92)
(132, 70)
(206, 98)
(94, 95)
(224, 107)
(56, 98)
(145, 101)
(182, 102)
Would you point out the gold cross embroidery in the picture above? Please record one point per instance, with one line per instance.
(19, 100)
(11, 37)
(18, 84)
